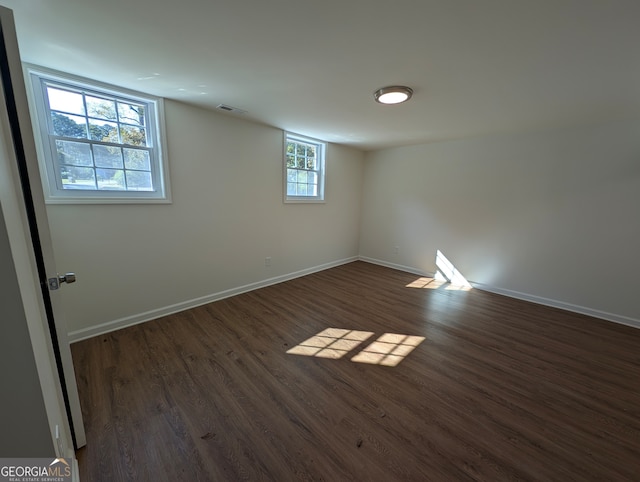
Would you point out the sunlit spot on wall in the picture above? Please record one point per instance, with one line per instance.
(448, 271)
(447, 277)
(388, 350)
(331, 343)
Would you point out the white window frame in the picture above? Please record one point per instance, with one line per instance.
(321, 150)
(39, 78)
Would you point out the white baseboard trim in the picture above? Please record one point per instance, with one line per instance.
(583, 310)
(110, 326)
(399, 267)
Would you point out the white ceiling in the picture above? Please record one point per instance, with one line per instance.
(476, 66)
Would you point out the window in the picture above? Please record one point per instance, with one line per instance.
(304, 166)
(99, 143)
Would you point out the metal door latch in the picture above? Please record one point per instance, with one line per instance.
(54, 283)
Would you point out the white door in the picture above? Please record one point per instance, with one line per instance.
(29, 202)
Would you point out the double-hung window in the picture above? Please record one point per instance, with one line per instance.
(304, 168)
(99, 143)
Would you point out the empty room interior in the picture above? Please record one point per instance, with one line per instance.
(283, 276)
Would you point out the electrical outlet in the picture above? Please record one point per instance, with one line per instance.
(267, 261)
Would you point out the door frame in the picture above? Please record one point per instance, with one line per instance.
(29, 236)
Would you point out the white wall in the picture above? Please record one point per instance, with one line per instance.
(227, 215)
(549, 216)
(552, 216)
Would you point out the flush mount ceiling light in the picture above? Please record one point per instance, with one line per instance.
(393, 95)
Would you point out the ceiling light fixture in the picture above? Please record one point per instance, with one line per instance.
(395, 94)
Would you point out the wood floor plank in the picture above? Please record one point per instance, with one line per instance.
(498, 389)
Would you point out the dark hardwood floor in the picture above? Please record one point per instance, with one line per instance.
(448, 385)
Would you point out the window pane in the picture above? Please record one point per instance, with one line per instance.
(312, 190)
(300, 149)
(291, 160)
(137, 159)
(66, 125)
(302, 176)
(311, 163)
(74, 153)
(291, 189)
(103, 131)
(291, 148)
(292, 175)
(302, 189)
(131, 113)
(106, 156)
(134, 136)
(312, 177)
(65, 101)
(139, 181)
(300, 163)
(101, 108)
(311, 151)
(110, 179)
(78, 178)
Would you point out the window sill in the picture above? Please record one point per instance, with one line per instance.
(304, 201)
(106, 200)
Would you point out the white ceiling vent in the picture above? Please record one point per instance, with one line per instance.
(228, 108)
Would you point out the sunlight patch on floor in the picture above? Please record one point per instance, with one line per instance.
(388, 350)
(334, 343)
(331, 343)
(426, 283)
